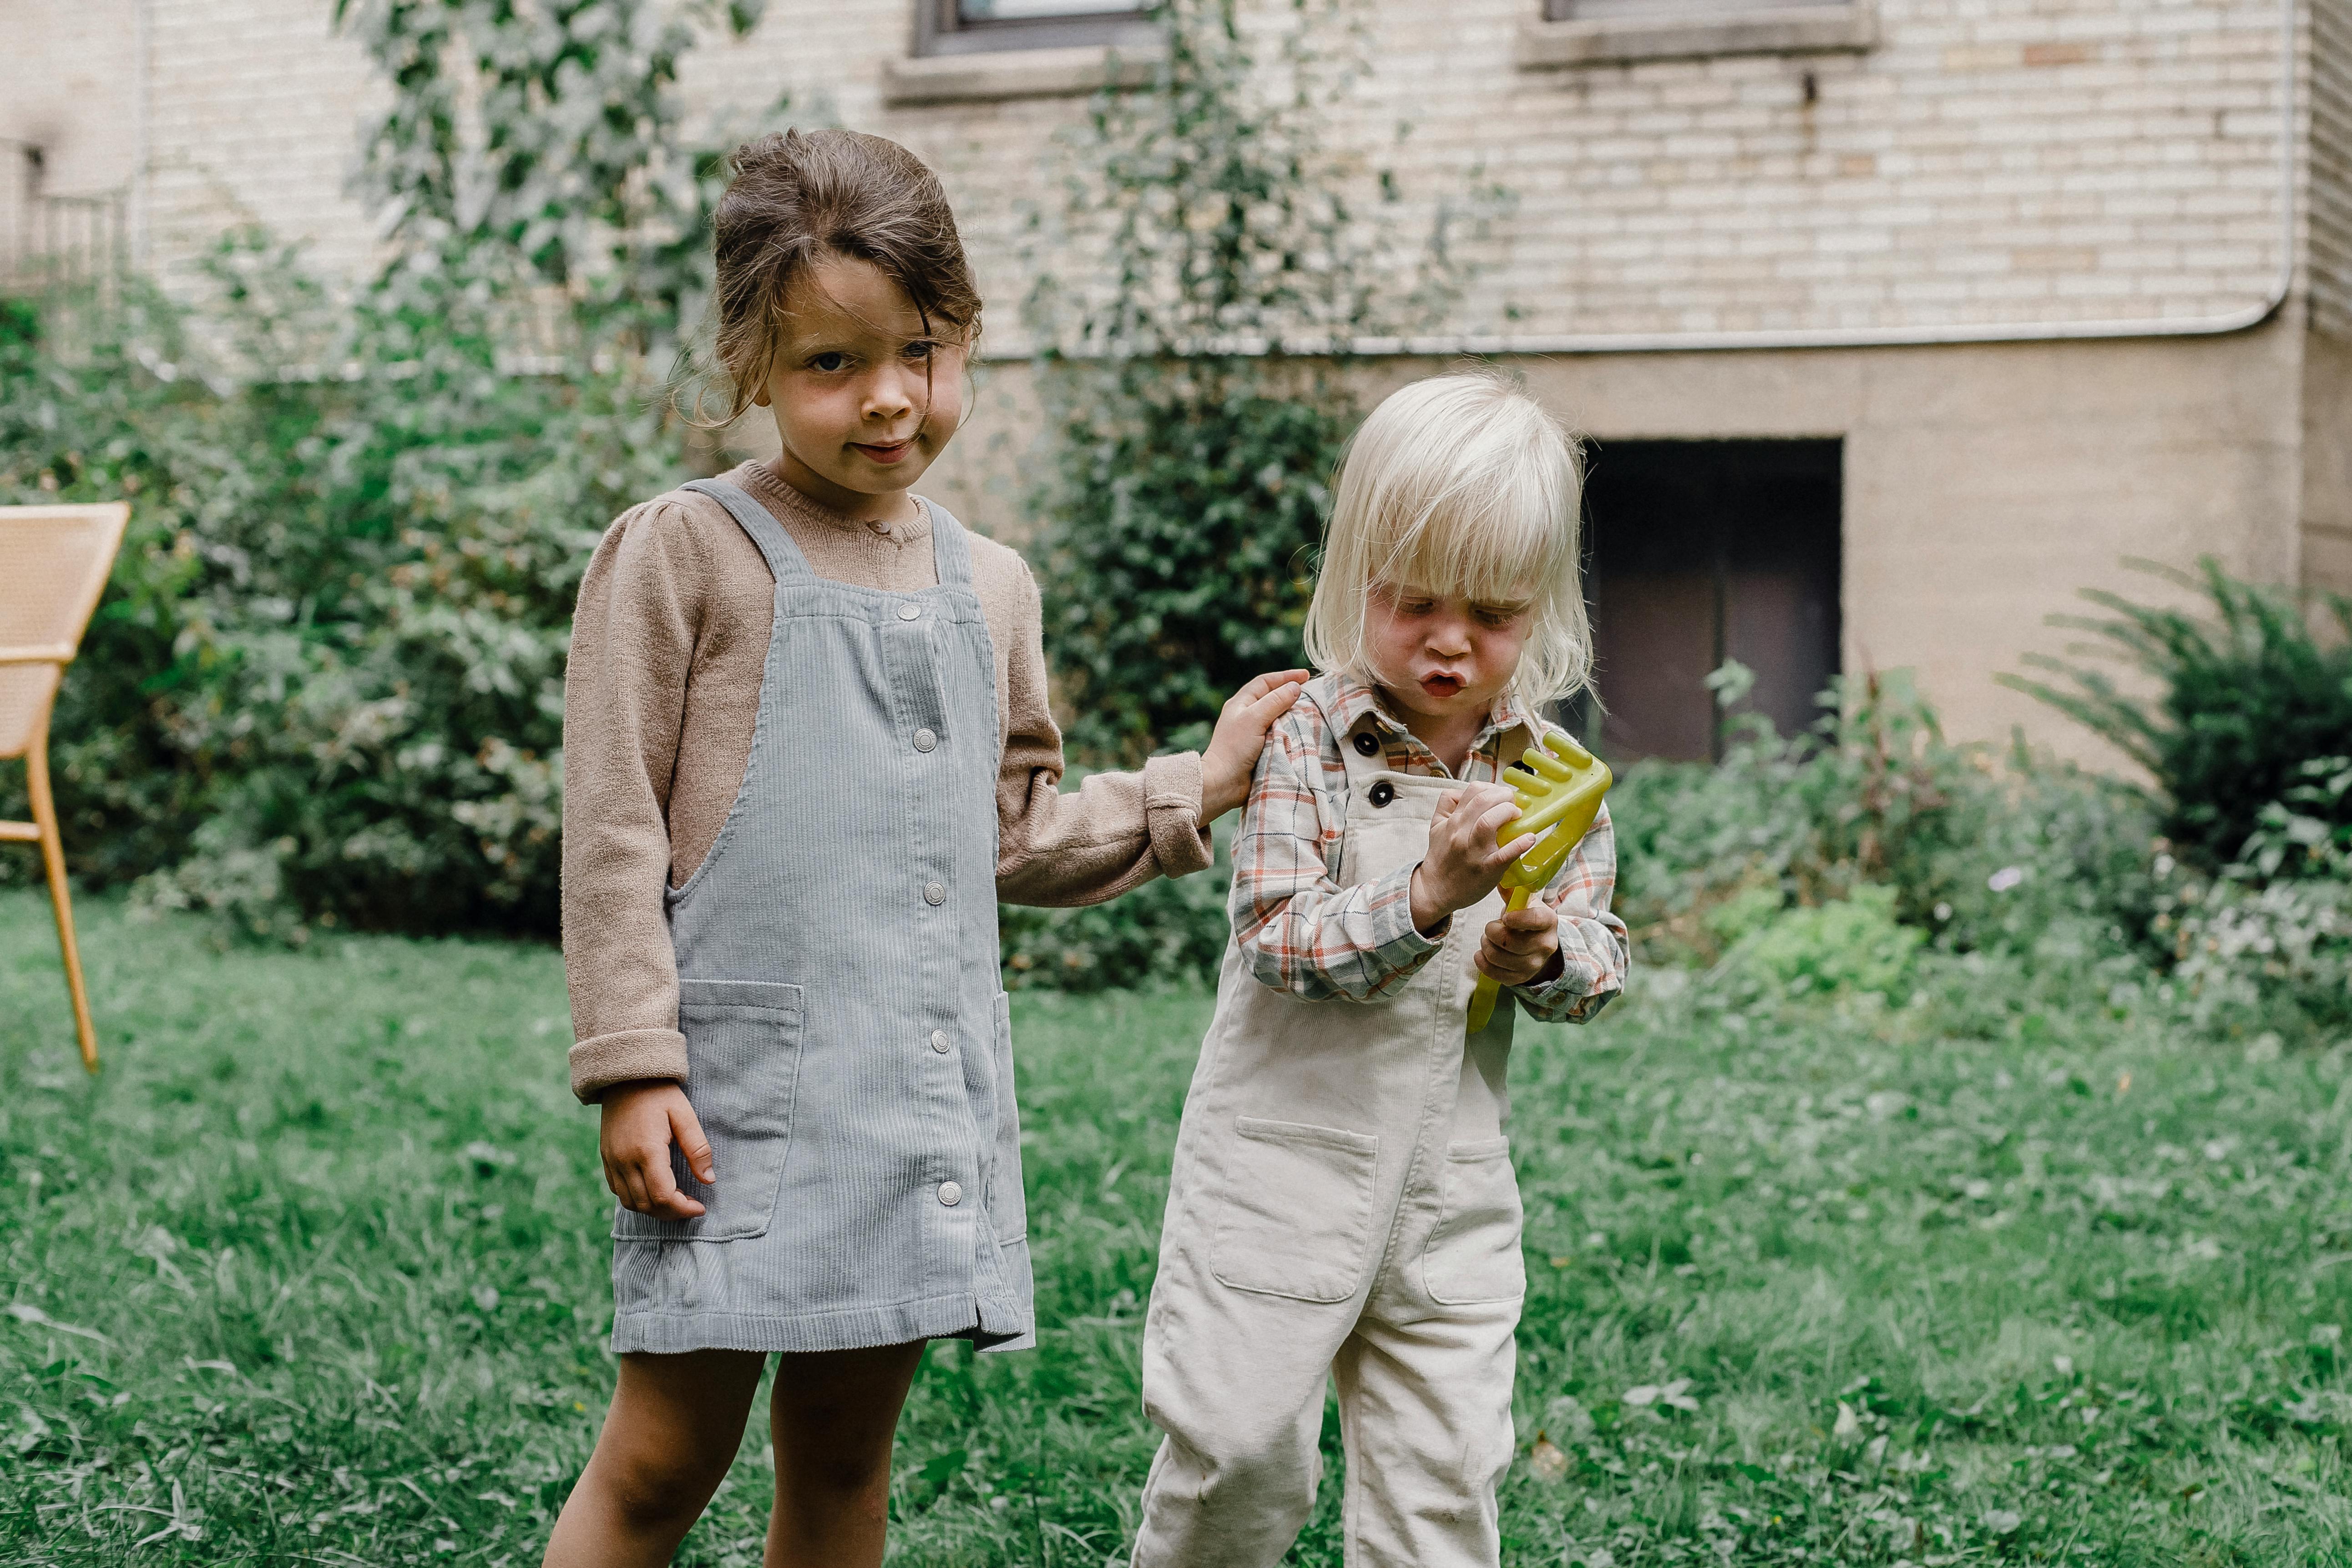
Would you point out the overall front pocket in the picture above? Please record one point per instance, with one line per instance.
(1473, 1251)
(743, 1055)
(1295, 1215)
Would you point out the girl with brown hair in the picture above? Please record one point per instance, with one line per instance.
(808, 747)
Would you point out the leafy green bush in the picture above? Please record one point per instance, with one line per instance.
(2243, 696)
(2276, 957)
(1186, 503)
(327, 683)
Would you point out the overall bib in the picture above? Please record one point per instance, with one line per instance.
(1341, 1204)
(849, 1048)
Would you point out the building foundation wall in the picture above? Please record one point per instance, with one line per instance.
(1985, 485)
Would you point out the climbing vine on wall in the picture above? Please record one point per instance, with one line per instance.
(1197, 385)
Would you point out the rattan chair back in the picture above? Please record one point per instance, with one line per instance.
(53, 562)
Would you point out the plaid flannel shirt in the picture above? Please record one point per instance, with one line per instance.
(1303, 933)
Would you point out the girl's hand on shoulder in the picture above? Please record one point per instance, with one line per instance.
(640, 1119)
(1521, 947)
(1464, 860)
(1242, 726)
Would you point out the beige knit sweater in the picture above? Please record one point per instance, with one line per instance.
(661, 695)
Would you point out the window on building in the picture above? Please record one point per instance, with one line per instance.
(1700, 551)
(963, 26)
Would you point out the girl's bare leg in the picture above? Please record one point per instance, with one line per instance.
(832, 1414)
(674, 1426)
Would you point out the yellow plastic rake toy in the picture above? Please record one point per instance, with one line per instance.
(1559, 787)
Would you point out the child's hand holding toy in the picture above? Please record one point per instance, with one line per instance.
(1466, 859)
(1558, 791)
(1521, 947)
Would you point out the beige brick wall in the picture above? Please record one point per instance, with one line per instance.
(68, 85)
(253, 108)
(1990, 161)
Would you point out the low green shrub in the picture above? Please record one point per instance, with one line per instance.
(1182, 509)
(2266, 946)
(1983, 851)
(2275, 957)
(1851, 946)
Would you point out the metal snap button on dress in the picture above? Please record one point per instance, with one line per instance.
(940, 1041)
(1367, 743)
(924, 740)
(934, 893)
(950, 1193)
(1380, 794)
(910, 612)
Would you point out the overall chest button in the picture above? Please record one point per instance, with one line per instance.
(910, 612)
(1383, 793)
(1367, 743)
(950, 1193)
(935, 893)
(924, 740)
(940, 1041)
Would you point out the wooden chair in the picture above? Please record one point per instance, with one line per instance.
(53, 562)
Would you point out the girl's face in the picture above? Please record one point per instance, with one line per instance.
(863, 396)
(1440, 656)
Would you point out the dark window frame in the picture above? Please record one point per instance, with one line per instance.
(941, 29)
(1711, 534)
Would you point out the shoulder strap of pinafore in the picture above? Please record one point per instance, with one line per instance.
(950, 551)
(784, 557)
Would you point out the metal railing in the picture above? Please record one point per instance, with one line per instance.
(47, 239)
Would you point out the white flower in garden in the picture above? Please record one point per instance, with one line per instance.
(2005, 879)
(1674, 1394)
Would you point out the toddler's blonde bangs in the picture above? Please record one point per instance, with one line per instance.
(1460, 484)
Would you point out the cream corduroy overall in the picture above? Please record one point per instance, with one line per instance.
(1341, 1204)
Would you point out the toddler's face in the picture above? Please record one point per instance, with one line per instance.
(863, 396)
(1442, 655)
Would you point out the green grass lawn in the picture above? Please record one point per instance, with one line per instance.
(316, 1272)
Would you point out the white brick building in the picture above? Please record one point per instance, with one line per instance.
(1968, 299)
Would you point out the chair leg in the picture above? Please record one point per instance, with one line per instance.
(53, 860)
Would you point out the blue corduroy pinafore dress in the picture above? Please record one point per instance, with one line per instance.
(850, 1053)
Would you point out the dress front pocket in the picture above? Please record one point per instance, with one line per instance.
(1295, 1215)
(1473, 1251)
(743, 1053)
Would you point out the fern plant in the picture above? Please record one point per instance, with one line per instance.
(2238, 695)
